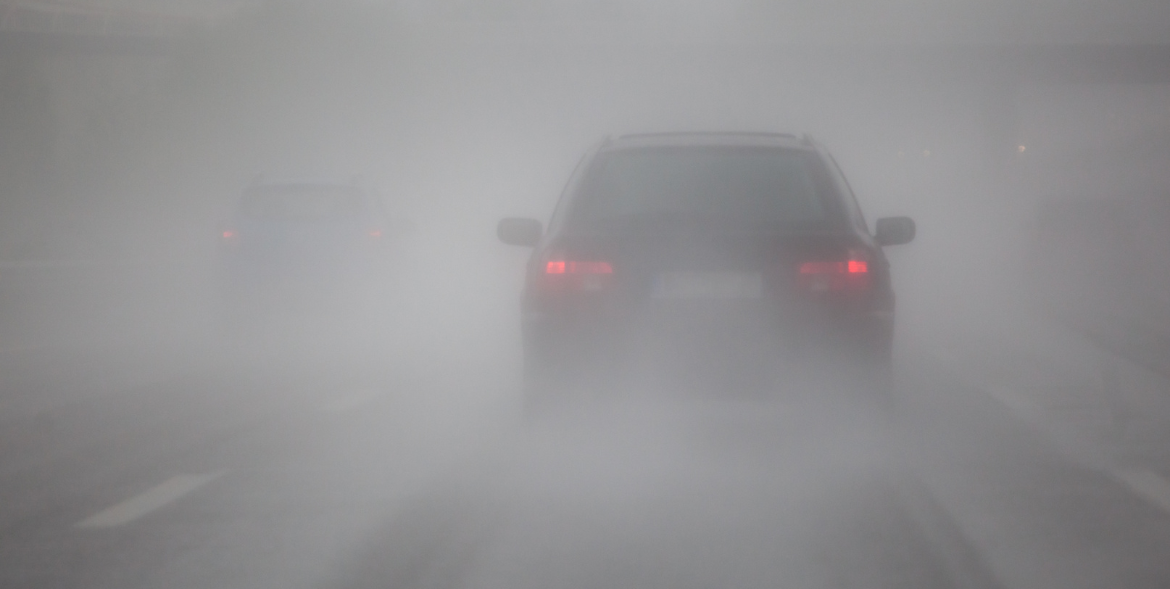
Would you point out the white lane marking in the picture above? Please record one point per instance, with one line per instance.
(352, 401)
(1014, 400)
(148, 501)
(1148, 484)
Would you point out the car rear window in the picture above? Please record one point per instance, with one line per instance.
(756, 185)
(302, 203)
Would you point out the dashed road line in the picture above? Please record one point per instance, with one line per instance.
(148, 501)
(1148, 484)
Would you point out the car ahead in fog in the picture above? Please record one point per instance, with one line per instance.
(736, 244)
(300, 245)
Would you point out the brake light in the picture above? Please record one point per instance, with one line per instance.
(229, 237)
(571, 275)
(847, 267)
(851, 274)
(564, 267)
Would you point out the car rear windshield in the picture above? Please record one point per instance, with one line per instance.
(771, 186)
(303, 203)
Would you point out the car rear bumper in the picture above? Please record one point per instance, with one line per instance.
(702, 331)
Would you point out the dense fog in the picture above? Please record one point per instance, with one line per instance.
(461, 114)
(1029, 141)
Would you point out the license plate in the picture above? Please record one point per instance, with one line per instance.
(708, 285)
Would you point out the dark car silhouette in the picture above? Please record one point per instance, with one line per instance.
(740, 245)
(301, 244)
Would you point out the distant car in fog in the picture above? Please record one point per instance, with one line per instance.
(748, 244)
(300, 242)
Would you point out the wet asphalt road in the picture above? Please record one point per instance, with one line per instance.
(399, 457)
(389, 468)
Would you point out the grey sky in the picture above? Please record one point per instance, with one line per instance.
(790, 21)
(835, 21)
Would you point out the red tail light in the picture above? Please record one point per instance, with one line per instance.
(564, 267)
(571, 275)
(851, 274)
(229, 237)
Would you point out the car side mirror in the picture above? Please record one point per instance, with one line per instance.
(894, 230)
(519, 231)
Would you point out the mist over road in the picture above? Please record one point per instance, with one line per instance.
(383, 440)
(402, 460)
